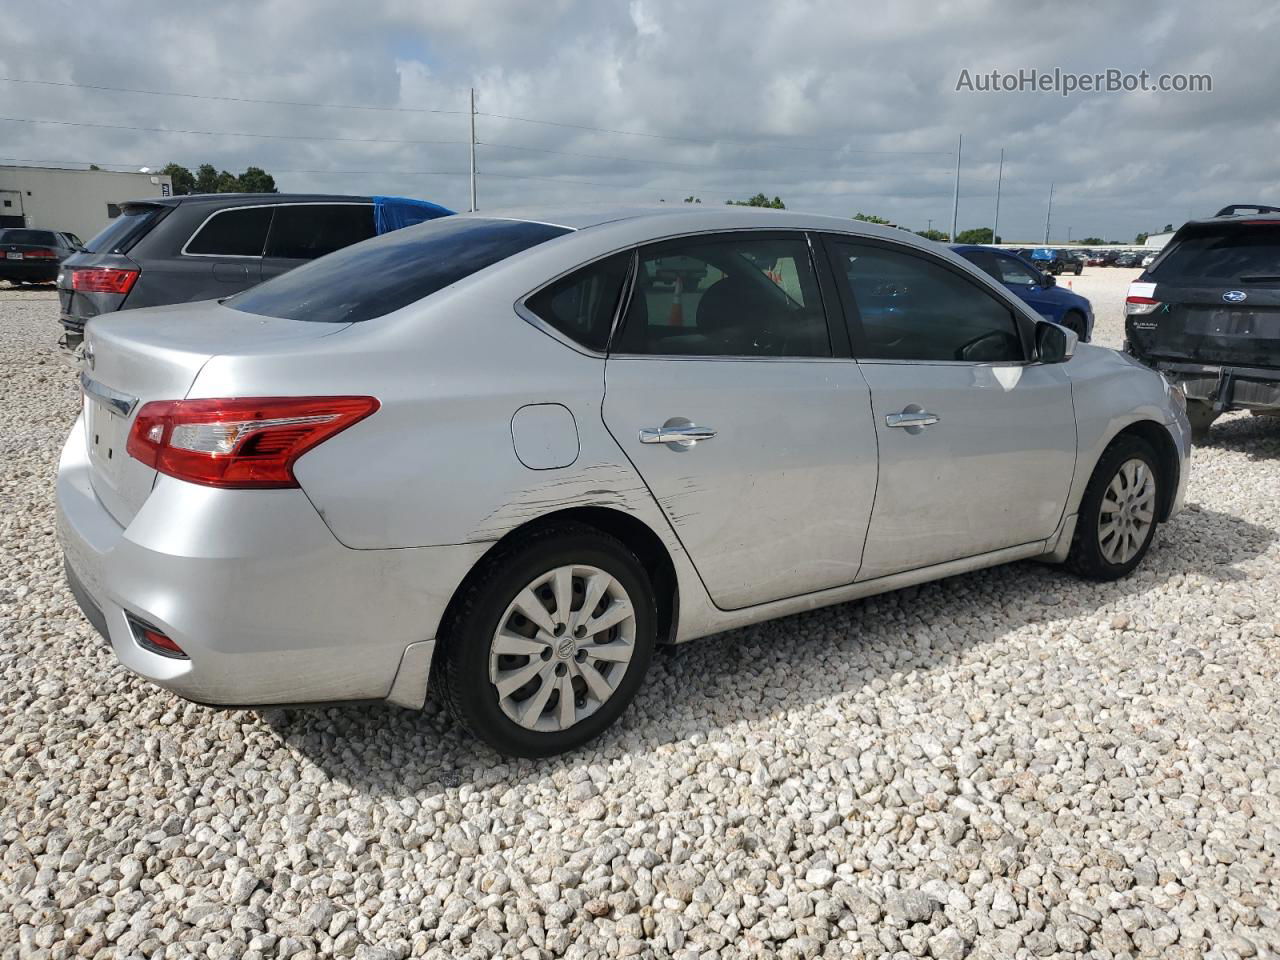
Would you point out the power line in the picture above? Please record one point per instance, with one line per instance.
(222, 133)
(206, 96)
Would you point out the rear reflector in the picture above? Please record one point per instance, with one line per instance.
(149, 638)
(1137, 306)
(246, 443)
(103, 280)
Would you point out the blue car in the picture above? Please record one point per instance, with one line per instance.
(1038, 290)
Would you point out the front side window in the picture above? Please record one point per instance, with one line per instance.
(304, 231)
(582, 305)
(1015, 271)
(374, 278)
(911, 308)
(730, 296)
(232, 233)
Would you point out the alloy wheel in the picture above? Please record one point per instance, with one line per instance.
(1128, 511)
(562, 647)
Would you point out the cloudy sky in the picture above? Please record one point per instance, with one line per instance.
(836, 106)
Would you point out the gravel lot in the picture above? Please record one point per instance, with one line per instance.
(1012, 763)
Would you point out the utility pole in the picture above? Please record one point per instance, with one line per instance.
(1068, 234)
(955, 204)
(473, 149)
(1047, 214)
(929, 229)
(995, 221)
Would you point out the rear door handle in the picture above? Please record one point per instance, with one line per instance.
(684, 436)
(917, 418)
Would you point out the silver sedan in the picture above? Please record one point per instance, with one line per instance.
(510, 455)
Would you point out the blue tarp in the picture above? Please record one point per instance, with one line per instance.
(392, 213)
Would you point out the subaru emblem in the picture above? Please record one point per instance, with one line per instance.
(1235, 296)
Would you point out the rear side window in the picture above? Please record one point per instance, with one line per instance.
(582, 305)
(392, 271)
(1015, 271)
(232, 233)
(33, 237)
(125, 230)
(1225, 253)
(305, 231)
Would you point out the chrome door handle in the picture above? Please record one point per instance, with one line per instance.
(919, 418)
(684, 436)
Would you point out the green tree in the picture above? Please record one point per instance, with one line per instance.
(976, 235)
(692, 199)
(869, 218)
(932, 235)
(184, 181)
(759, 200)
(206, 178)
(1168, 228)
(1093, 241)
(257, 180)
(1140, 238)
(228, 183)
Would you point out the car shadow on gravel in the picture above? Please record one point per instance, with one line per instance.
(1258, 438)
(753, 673)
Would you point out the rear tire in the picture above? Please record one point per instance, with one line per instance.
(1118, 513)
(489, 645)
(1073, 320)
(1201, 414)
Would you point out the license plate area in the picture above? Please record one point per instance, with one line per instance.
(1221, 322)
(106, 434)
(13, 255)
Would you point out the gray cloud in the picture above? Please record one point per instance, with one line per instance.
(835, 106)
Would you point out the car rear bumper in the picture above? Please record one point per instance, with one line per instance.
(268, 606)
(1226, 387)
(31, 272)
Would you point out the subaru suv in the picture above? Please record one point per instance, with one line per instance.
(208, 246)
(1206, 314)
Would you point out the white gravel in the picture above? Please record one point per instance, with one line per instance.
(1008, 764)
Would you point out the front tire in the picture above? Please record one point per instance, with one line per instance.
(1118, 513)
(549, 641)
(1074, 321)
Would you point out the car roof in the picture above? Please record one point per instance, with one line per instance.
(245, 199)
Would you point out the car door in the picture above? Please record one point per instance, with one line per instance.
(223, 256)
(748, 423)
(977, 443)
(301, 232)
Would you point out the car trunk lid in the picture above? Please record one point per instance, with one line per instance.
(82, 305)
(138, 356)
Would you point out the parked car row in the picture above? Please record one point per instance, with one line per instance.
(513, 454)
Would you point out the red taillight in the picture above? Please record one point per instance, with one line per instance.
(1137, 306)
(244, 443)
(39, 255)
(103, 280)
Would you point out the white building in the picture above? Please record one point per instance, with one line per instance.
(77, 201)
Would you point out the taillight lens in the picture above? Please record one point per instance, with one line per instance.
(1137, 306)
(40, 255)
(103, 280)
(242, 442)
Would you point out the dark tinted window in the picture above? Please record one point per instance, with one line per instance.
(1219, 254)
(233, 233)
(305, 231)
(391, 271)
(45, 238)
(582, 305)
(983, 260)
(914, 309)
(739, 296)
(124, 231)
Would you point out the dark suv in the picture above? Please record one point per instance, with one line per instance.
(209, 246)
(1206, 314)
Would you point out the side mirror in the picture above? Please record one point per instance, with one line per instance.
(1049, 280)
(1054, 342)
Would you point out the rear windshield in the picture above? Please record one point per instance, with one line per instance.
(44, 237)
(373, 278)
(125, 230)
(1227, 253)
